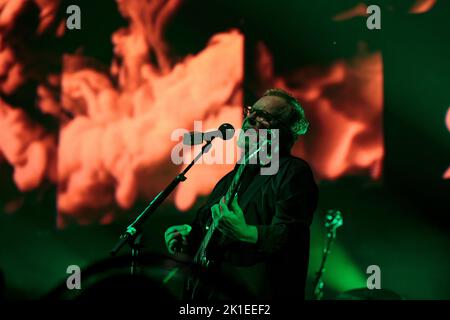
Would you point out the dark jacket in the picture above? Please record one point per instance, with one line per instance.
(281, 206)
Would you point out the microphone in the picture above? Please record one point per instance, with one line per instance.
(225, 132)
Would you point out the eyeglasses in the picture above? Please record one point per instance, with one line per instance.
(248, 110)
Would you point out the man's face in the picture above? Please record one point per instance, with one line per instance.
(263, 115)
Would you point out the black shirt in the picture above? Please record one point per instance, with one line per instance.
(281, 206)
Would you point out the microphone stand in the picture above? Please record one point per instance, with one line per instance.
(318, 282)
(333, 221)
(133, 233)
(135, 246)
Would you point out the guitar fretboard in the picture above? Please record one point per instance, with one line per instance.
(229, 196)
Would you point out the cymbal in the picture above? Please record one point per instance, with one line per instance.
(367, 294)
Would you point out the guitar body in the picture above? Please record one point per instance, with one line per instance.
(202, 282)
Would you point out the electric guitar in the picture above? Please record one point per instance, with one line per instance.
(204, 256)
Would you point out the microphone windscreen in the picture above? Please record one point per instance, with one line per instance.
(227, 131)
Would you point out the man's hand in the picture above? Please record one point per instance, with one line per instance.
(176, 238)
(232, 222)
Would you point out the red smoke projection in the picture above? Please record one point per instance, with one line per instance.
(24, 143)
(344, 105)
(343, 102)
(360, 9)
(27, 147)
(118, 146)
(345, 108)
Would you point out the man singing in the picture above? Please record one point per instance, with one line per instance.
(267, 224)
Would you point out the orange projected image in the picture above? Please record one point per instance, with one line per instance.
(28, 141)
(113, 144)
(344, 103)
(122, 134)
(102, 132)
(123, 138)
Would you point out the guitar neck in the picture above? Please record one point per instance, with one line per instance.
(232, 189)
(229, 196)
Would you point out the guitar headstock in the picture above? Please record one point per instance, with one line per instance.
(333, 221)
(266, 143)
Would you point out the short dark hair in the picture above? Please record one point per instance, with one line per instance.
(296, 121)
